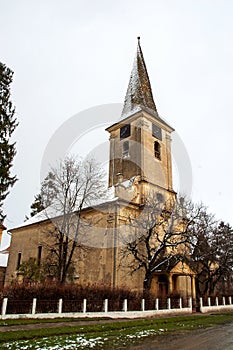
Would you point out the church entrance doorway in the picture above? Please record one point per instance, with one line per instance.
(163, 286)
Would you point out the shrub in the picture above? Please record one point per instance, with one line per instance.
(70, 292)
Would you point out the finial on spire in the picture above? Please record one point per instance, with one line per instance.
(138, 39)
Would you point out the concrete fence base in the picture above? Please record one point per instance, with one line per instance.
(113, 314)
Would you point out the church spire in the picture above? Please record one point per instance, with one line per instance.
(139, 94)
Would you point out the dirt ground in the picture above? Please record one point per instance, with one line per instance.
(214, 338)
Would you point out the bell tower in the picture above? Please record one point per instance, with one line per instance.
(140, 143)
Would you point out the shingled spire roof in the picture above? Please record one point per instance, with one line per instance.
(139, 94)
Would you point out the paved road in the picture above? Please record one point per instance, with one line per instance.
(214, 338)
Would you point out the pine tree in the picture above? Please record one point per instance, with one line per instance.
(8, 124)
(47, 193)
(37, 206)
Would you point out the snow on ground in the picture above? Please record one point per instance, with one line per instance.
(73, 342)
(55, 343)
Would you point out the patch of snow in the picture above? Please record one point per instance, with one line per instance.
(66, 344)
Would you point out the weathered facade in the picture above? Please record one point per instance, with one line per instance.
(139, 164)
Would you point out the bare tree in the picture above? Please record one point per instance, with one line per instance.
(157, 236)
(75, 185)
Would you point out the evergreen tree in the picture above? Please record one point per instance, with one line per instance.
(8, 124)
(47, 193)
(37, 205)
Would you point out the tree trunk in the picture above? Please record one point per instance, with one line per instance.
(147, 282)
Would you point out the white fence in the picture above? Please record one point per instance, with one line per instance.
(124, 313)
(171, 308)
(214, 304)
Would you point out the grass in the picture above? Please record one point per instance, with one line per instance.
(21, 321)
(107, 335)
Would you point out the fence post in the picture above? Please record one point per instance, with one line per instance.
(60, 306)
(106, 305)
(156, 304)
(125, 305)
(84, 305)
(209, 301)
(180, 302)
(4, 306)
(143, 305)
(201, 302)
(223, 301)
(216, 301)
(169, 303)
(230, 301)
(34, 306)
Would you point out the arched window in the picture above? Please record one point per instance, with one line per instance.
(157, 150)
(125, 152)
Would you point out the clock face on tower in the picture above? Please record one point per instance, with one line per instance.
(125, 131)
(157, 132)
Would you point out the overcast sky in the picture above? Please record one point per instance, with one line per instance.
(68, 56)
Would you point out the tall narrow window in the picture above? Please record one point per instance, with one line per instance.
(125, 152)
(18, 260)
(39, 255)
(157, 150)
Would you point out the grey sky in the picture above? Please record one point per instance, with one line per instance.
(71, 55)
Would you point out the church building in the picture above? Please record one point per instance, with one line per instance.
(139, 164)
